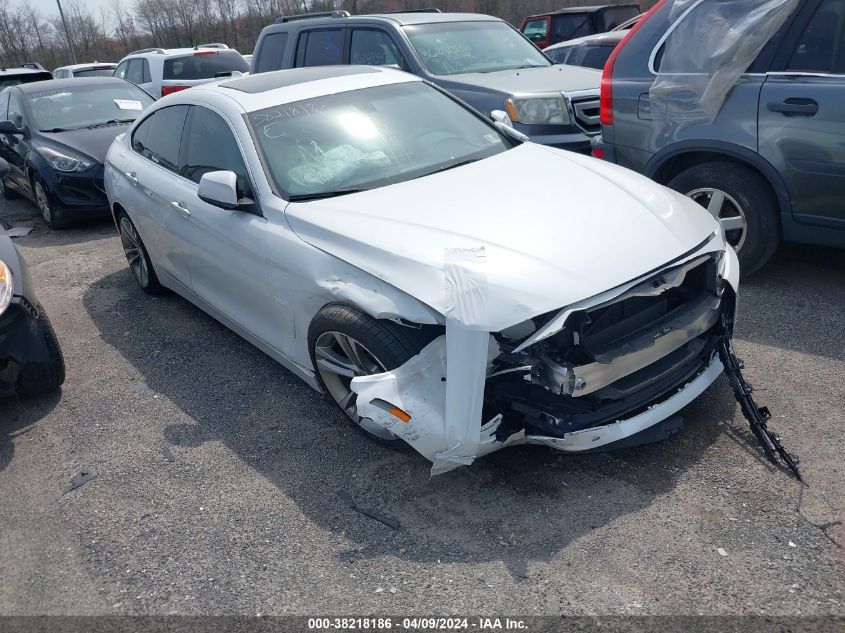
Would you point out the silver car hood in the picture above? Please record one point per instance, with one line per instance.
(531, 80)
(556, 228)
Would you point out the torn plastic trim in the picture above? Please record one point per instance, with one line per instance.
(372, 296)
(683, 265)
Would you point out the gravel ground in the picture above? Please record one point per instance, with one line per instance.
(218, 477)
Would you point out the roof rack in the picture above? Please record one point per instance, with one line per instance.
(211, 45)
(428, 10)
(160, 51)
(308, 16)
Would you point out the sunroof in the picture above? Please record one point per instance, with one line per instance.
(283, 78)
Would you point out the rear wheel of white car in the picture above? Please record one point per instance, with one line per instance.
(137, 256)
(743, 203)
(345, 343)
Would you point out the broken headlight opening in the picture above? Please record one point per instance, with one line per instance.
(618, 358)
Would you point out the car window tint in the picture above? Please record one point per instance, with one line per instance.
(559, 55)
(136, 71)
(204, 64)
(211, 146)
(589, 56)
(15, 110)
(272, 49)
(323, 48)
(568, 26)
(374, 48)
(147, 76)
(820, 48)
(158, 138)
(120, 71)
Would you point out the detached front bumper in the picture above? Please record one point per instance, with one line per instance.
(80, 196)
(22, 341)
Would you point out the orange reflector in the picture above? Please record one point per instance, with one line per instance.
(511, 110)
(391, 409)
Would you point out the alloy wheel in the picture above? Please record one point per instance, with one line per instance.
(339, 359)
(134, 252)
(43, 202)
(726, 210)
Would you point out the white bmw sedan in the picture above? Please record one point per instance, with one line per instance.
(445, 283)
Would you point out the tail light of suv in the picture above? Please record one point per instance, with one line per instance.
(166, 90)
(606, 98)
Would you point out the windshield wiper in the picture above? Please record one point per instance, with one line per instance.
(54, 130)
(111, 122)
(320, 195)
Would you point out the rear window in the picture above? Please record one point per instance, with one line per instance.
(204, 65)
(10, 79)
(94, 72)
(611, 18)
(589, 56)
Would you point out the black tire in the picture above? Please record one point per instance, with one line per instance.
(8, 194)
(148, 282)
(36, 379)
(53, 215)
(753, 194)
(392, 344)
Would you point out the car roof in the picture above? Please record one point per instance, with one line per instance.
(401, 19)
(53, 84)
(22, 71)
(88, 65)
(611, 38)
(256, 92)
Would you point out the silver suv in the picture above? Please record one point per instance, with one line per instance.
(162, 71)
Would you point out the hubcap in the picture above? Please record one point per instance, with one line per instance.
(727, 210)
(340, 358)
(134, 253)
(43, 203)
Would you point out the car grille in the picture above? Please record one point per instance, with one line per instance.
(585, 111)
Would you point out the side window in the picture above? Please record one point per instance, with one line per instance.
(120, 71)
(4, 106)
(211, 146)
(15, 110)
(272, 49)
(374, 48)
(158, 138)
(147, 76)
(820, 48)
(536, 30)
(320, 48)
(136, 71)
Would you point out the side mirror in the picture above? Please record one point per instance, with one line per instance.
(4, 168)
(220, 188)
(7, 127)
(504, 124)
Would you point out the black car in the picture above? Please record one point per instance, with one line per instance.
(55, 135)
(31, 361)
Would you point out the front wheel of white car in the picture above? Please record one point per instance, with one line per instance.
(345, 343)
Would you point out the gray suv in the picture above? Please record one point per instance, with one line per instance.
(478, 58)
(771, 164)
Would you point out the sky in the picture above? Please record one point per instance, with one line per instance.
(48, 7)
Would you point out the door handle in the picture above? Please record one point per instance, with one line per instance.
(180, 207)
(795, 107)
(133, 178)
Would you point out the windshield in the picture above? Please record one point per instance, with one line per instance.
(451, 48)
(368, 138)
(77, 107)
(108, 71)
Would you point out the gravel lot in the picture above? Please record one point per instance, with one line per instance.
(218, 477)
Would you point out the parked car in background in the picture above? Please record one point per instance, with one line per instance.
(22, 75)
(545, 29)
(478, 58)
(591, 51)
(162, 71)
(55, 135)
(319, 212)
(31, 361)
(771, 165)
(95, 69)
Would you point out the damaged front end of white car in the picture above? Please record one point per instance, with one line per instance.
(607, 372)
